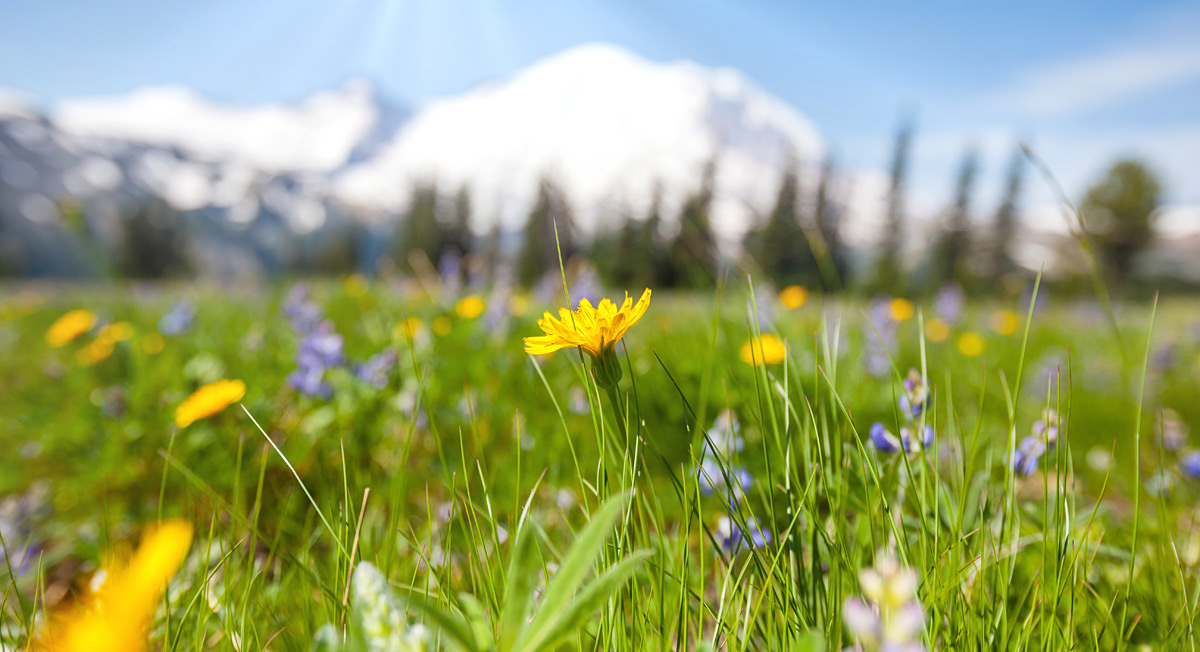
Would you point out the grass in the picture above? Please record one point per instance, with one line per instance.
(476, 481)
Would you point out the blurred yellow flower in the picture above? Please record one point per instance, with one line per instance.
(900, 309)
(356, 285)
(408, 329)
(937, 330)
(793, 296)
(971, 345)
(153, 343)
(1005, 322)
(105, 343)
(117, 617)
(208, 400)
(69, 326)
(768, 349)
(592, 329)
(517, 305)
(441, 325)
(470, 307)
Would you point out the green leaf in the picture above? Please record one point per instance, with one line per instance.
(519, 585)
(570, 574)
(591, 599)
(810, 641)
(442, 620)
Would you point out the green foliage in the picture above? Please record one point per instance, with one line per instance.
(1119, 211)
(548, 231)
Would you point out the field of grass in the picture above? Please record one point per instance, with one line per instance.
(466, 495)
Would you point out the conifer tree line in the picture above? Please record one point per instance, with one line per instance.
(798, 240)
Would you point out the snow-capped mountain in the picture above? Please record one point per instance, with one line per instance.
(608, 126)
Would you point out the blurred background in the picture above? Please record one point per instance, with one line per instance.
(866, 147)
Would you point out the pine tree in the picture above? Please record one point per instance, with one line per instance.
(1004, 230)
(154, 243)
(829, 217)
(652, 246)
(458, 232)
(422, 234)
(784, 252)
(540, 250)
(692, 255)
(954, 243)
(1119, 211)
(887, 263)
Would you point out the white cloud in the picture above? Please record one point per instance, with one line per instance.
(1084, 84)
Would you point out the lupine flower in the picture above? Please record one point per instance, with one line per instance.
(891, 618)
(117, 616)
(1033, 447)
(70, 326)
(310, 380)
(323, 346)
(208, 401)
(915, 398)
(301, 312)
(1190, 464)
(724, 434)
(886, 442)
(1172, 430)
(376, 369)
(382, 616)
(732, 537)
(766, 349)
(879, 337)
(178, 320)
(1047, 427)
(949, 301)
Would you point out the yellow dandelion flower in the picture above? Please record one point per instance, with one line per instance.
(69, 326)
(768, 349)
(117, 616)
(153, 343)
(441, 325)
(408, 329)
(470, 307)
(517, 305)
(793, 296)
(971, 344)
(937, 330)
(356, 285)
(593, 329)
(901, 309)
(209, 400)
(97, 350)
(1005, 322)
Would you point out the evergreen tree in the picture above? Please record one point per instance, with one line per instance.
(153, 245)
(784, 252)
(652, 247)
(954, 242)
(458, 233)
(1001, 261)
(829, 218)
(1119, 211)
(492, 251)
(422, 234)
(887, 263)
(692, 255)
(540, 250)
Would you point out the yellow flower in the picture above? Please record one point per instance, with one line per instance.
(937, 330)
(69, 326)
(592, 329)
(517, 305)
(209, 400)
(117, 616)
(408, 329)
(96, 351)
(971, 345)
(1005, 322)
(153, 343)
(900, 309)
(470, 307)
(793, 296)
(356, 285)
(441, 325)
(768, 349)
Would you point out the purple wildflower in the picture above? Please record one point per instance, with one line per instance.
(1190, 464)
(949, 302)
(888, 443)
(376, 370)
(178, 319)
(732, 537)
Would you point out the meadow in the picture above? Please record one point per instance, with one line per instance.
(380, 465)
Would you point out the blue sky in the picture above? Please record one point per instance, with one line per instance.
(1084, 81)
